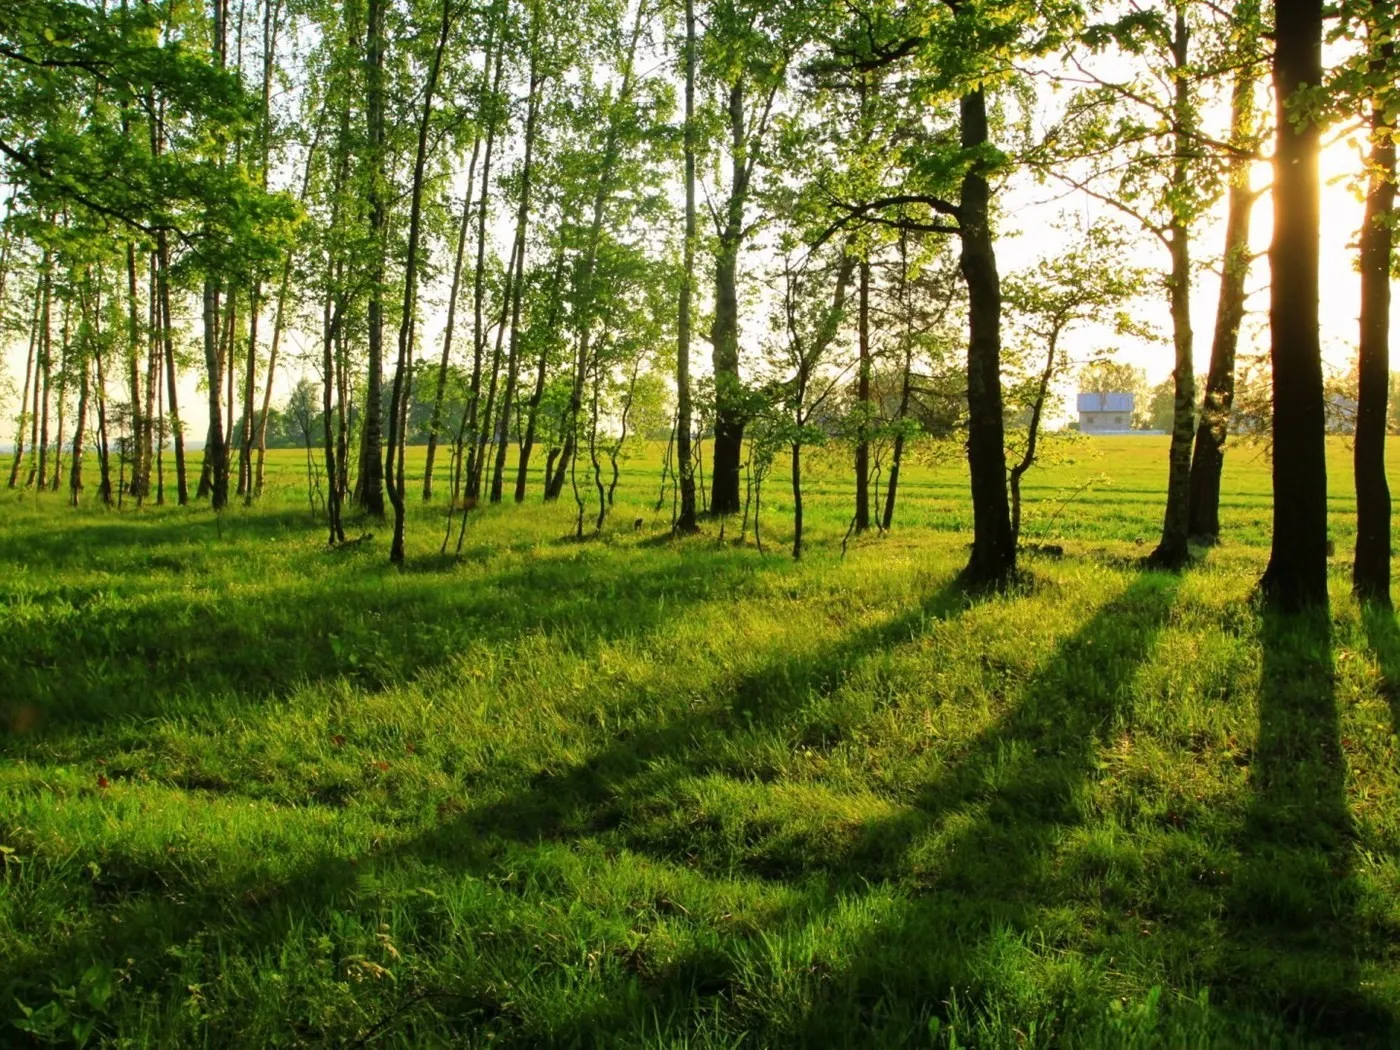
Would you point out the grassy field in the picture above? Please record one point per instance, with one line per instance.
(636, 792)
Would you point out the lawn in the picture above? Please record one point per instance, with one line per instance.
(641, 792)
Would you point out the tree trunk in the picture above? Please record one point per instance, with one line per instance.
(138, 467)
(75, 472)
(1208, 458)
(1371, 567)
(30, 361)
(215, 463)
(517, 290)
(1296, 576)
(398, 402)
(167, 326)
(527, 443)
(370, 483)
(797, 501)
(1173, 551)
(993, 559)
(471, 419)
(862, 516)
(686, 521)
(724, 333)
(435, 421)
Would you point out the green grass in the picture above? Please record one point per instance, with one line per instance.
(634, 792)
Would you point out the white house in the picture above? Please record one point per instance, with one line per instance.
(1105, 413)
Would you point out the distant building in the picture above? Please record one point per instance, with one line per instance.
(1105, 413)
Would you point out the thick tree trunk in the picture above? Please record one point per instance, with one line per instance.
(993, 559)
(1371, 567)
(1208, 457)
(1296, 576)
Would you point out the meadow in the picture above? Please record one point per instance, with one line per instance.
(638, 791)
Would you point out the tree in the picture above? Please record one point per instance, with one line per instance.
(1208, 454)
(1296, 576)
(1088, 282)
(1371, 564)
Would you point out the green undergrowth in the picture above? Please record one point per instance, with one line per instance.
(640, 792)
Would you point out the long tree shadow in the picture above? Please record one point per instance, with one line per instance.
(1297, 946)
(92, 657)
(966, 857)
(152, 911)
(1383, 637)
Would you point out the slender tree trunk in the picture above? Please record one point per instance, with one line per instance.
(472, 419)
(215, 463)
(177, 429)
(1174, 550)
(30, 361)
(138, 466)
(1032, 435)
(1208, 457)
(370, 483)
(797, 500)
(993, 559)
(75, 472)
(724, 332)
(518, 285)
(435, 421)
(1296, 576)
(527, 443)
(435, 424)
(65, 360)
(862, 516)
(1371, 567)
(477, 463)
(398, 402)
(686, 521)
(44, 389)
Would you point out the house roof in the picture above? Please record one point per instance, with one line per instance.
(1105, 402)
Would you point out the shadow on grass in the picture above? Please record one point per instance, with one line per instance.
(94, 656)
(151, 914)
(1383, 637)
(1297, 943)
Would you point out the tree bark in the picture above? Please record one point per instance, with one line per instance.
(370, 483)
(517, 289)
(1173, 550)
(1371, 565)
(993, 559)
(30, 361)
(724, 332)
(862, 465)
(686, 520)
(398, 401)
(1296, 576)
(1208, 457)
